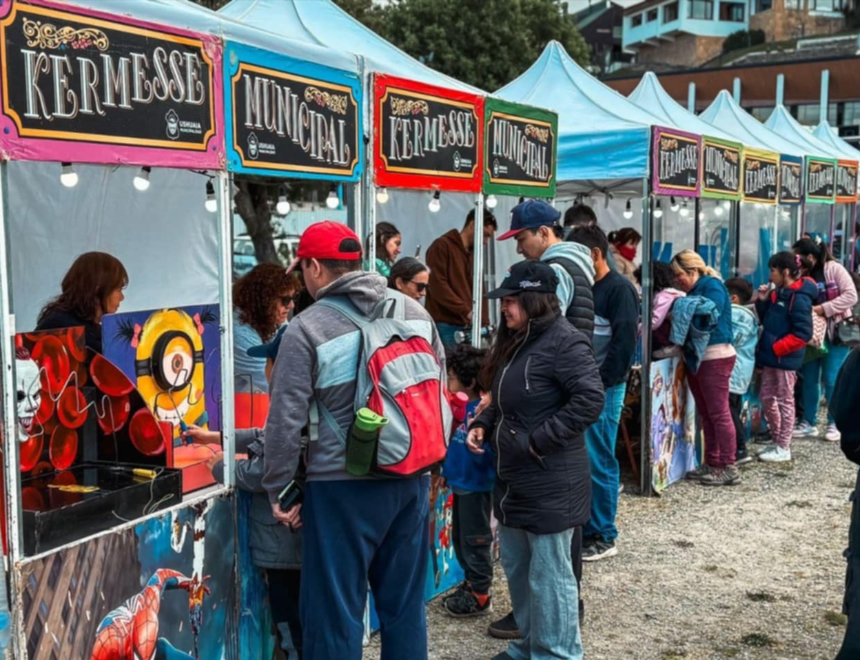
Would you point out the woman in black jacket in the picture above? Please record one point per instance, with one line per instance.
(546, 391)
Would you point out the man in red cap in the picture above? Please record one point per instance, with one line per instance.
(357, 530)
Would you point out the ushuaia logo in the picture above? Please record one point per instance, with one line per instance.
(253, 146)
(172, 124)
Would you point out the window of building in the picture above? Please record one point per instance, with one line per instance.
(807, 114)
(826, 5)
(796, 5)
(670, 12)
(702, 9)
(43, 608)
(763, 5)
(651, 15)
(732, 11)
(850, 113)
(636, 21)
(762, 113)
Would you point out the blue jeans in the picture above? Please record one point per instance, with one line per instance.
(543, 594)
(826, 368)
(360, 532)
(447, 332)
(605, 474)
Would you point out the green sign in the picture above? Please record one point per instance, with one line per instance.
(721, 169)
(820, 180)
(520, 149)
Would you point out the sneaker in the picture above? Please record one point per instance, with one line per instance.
(804, 430)
(504, 628)
(698, 473)
(728, 476)
(744, 457)
(775, 455)
(465, 604)
(597, 549)
(832, 434)
(462, 587)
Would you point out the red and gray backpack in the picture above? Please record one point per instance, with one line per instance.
(400, 377)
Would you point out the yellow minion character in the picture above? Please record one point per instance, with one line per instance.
(169, 364)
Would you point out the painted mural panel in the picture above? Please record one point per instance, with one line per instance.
(163, 589)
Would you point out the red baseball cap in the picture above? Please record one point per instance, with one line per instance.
(325, 240)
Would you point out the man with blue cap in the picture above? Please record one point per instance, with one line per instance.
(539, 235)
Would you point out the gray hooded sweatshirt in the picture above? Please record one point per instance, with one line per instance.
(316, 368)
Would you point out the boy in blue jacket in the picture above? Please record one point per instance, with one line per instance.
(745, 340)
(786, 314)
(471, 477)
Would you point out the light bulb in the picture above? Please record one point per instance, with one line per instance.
(283, 205)
(727, 204)
(69, 178)
(492, 202)
(141, 179)
(211, 202)
(685, 211)
(382, 195)
(701, 215)
(673, 205)
(332, 201)
(718, 210)
(658, 210)
(435, 204)
(628, 211)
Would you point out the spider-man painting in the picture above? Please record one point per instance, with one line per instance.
(130, 632)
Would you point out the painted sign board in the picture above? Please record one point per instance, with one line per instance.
(520, 149)
(82, 86)
(820, 180)
(290, 118)
(761, 176)
(426, 137)
(676, 162)
(790, 180)
(846, 182)
(721, 169)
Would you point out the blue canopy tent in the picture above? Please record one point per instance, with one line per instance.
(762, 231)
(715, 245)
(824, 132)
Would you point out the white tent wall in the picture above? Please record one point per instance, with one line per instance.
(164, 236)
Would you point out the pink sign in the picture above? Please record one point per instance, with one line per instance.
(83, 86)
(677, 162)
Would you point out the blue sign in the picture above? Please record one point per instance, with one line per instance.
(290, 118)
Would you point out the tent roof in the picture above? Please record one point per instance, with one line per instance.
(602, 135)
(726, 114)
(650, 95)
(825, 133)
(190, 16)
(781, 121)
(324, 24)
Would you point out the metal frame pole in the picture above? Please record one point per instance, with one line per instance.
(362, 186)
(734, 238)
(478, 266)
(697, 223)
(647, 301)
(225, 301)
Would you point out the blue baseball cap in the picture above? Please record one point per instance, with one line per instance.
(269, 350)
(531, 214)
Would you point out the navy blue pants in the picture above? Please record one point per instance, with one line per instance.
(359, 533)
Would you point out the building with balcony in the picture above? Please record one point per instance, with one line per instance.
(601, 25)
(691, 32)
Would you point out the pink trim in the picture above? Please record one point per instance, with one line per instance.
(13, 147)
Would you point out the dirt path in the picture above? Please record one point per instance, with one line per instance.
(751, 572)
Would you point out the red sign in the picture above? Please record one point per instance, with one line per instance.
(427, 137)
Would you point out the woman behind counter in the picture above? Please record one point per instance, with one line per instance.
(91, 288)
(410, 277)
(546, 391)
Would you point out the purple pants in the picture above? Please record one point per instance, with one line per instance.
(777, 402)
(710, 387)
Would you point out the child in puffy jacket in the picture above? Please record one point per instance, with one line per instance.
(665, 295)
(745, 340)
(786, 314)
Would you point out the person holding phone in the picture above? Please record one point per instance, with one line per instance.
(546, 391)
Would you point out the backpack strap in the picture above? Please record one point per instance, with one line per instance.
(343, 305)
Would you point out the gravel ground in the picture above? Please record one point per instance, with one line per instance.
(749, 572)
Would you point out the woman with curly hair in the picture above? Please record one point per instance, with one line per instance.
(262, 300)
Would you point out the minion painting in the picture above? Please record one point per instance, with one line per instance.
(173, 357)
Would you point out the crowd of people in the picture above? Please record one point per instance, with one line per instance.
(530, 423)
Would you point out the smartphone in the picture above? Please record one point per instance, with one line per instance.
(290, 496)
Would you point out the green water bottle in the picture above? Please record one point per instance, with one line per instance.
(361, 443)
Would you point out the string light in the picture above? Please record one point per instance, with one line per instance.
(332, 201)
(685, 211)
(435, 204)
(673, 204)
(382, 195)
(68, 177)
(141, 179)
(492, 202)
(283, 205)
(211, 202)
(727, 204)
(658, 210)
(628, 210)
(718, 210)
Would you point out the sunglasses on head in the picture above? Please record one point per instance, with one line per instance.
(421, 286)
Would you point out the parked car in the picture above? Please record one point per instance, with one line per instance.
(245, 257)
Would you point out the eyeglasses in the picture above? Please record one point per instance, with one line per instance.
(421, 286)
(286, 301)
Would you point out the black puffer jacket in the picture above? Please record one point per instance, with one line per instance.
(546, 396)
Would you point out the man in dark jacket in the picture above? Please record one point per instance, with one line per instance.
(616, 321)
(843, 406)
(450, 259)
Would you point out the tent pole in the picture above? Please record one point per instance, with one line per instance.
(734, 239)
(697, 229)
(478, 270)
(645, 374)
(363, 193)
(225, 301)
(831, 235)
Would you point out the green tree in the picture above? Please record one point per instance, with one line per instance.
(486, 43)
